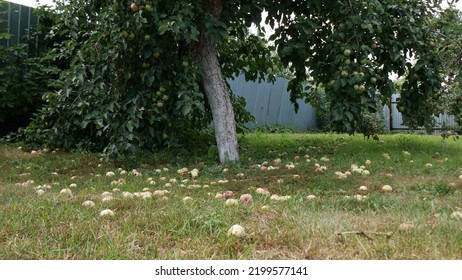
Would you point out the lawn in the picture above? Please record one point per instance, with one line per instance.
(305, 203)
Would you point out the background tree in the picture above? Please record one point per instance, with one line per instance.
(143, 71)
(448, 29)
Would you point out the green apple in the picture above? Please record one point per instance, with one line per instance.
(149, 8)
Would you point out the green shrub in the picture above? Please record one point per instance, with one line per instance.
(26, 73)
(371, 124)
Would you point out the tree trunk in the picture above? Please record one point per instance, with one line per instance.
(217, 92)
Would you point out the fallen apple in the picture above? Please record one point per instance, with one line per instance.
(387, 188)
(88, 203)
(246, 198)
(106, 212)
(231, 201)
(236, 230)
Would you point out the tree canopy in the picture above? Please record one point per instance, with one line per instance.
(448, 28)
(143, 73)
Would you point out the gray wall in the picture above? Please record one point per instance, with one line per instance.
(16, 20)
(270, 104)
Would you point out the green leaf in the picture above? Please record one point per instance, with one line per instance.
(163, 28)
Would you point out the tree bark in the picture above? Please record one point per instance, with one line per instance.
(217, 93)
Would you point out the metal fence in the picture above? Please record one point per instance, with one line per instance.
(17, 20)
(394, 119)
(270, 104)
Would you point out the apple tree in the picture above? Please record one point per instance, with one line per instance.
(448, 29)
(143, 71)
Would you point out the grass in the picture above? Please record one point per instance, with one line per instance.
(334, 225)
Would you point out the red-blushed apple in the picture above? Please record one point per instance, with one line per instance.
(246, 198)
(134, 7)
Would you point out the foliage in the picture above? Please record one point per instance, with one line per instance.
(322, 104)
(448, 28)
(351, 48)
(24, 76)
(133, 84)
(369, 124)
